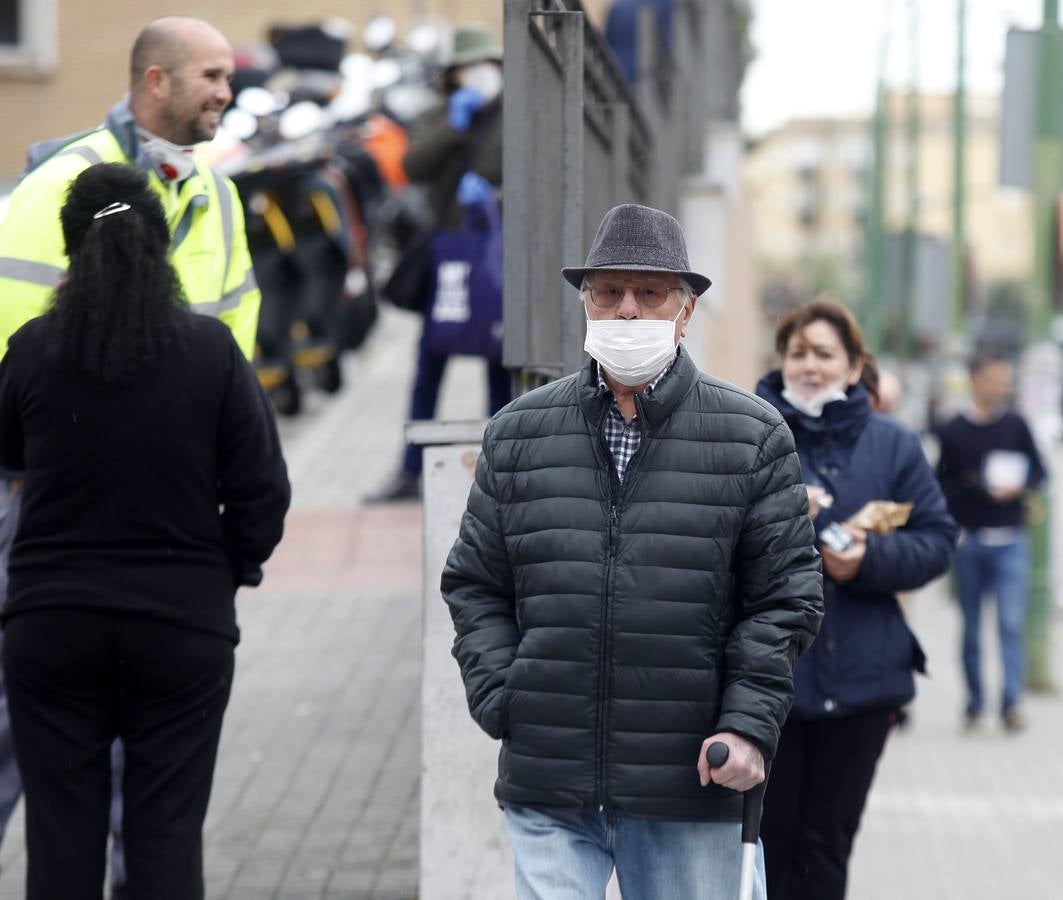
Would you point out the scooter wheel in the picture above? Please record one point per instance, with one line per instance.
(330, 376)
(288, 397)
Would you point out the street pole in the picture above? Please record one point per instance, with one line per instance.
(959, 131)
(1048, 163)
(875, 290)
(911, 230)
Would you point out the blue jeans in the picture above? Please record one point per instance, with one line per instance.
(569, 854)
(1005, 570)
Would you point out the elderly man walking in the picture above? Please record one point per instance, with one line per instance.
(634, 579)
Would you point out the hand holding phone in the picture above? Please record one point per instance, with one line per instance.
(842, 564)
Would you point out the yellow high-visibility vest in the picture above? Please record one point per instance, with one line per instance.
(208, 242)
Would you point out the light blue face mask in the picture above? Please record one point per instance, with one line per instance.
(633, 351)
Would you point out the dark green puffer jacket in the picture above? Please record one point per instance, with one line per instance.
(604, 630)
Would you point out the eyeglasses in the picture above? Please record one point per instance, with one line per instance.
(650, 293)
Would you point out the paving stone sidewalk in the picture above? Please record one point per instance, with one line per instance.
(316, 789)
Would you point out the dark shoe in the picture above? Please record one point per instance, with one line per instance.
(119, 892)
(1014, 721)
(402, 486)
(971, 721)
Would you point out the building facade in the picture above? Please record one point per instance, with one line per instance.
(809, 186)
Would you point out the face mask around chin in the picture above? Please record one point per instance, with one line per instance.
(484, 78)
(813, 406)
(173, 161)
(633, 351)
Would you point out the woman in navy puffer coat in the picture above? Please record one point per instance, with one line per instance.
(859, 671)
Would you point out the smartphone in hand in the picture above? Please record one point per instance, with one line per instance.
(836, 537)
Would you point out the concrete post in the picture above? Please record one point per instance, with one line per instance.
(464, 852)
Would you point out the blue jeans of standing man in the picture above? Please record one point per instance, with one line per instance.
(1003, 569)
(570, 854)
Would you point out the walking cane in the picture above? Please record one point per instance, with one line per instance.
(752, 803)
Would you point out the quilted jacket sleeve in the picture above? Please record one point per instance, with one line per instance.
(923, 548)
(477, 585)
(779, 596)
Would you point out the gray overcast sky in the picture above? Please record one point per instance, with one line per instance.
(820, 57)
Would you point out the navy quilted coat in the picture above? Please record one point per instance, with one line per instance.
(604, 630)
(866, 655)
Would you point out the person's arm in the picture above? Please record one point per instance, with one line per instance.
(432, 145)
(241, 298)
(477, 585)
(1037, 474)
(779, 597)
(253, 484)
(922, 549)
(12, 440)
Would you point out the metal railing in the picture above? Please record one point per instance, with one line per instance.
(580, 139)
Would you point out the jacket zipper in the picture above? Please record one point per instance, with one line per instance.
(616, 505)
(603, 626)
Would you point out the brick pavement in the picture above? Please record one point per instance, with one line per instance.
(316, 789)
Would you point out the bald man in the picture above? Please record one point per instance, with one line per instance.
(180, 69)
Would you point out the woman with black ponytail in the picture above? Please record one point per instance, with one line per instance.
(154, 487)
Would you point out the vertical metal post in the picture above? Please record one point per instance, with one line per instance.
(1048, 161)
(959, 132)
(911, 231)
(875, 289)
(620, 157)
(570, 26)
(517, 235)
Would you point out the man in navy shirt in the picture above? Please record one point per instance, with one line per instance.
(988, 461)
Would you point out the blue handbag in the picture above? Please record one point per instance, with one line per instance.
(465, 317)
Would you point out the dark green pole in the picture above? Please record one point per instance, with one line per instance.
(911, 230)
(959, 132)
(875, 230)
(1048, 164)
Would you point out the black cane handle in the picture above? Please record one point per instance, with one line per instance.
(717, 754)
(752, 800)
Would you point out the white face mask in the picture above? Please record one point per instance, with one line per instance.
(813, 406)
(485, 78)
(173, 162)
(633, 351)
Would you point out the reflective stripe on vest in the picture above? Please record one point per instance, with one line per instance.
(226, 202)
(86, 153)
(230, 300)
(185, 225)
(42, 274)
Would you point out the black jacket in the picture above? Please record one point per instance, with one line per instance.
(439, 156)
(120, 509)
(965, 447)
(604, 630)
(865, 655)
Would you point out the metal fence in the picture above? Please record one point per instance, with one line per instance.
(578, 139)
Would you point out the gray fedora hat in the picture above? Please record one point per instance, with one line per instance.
(637, 238)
